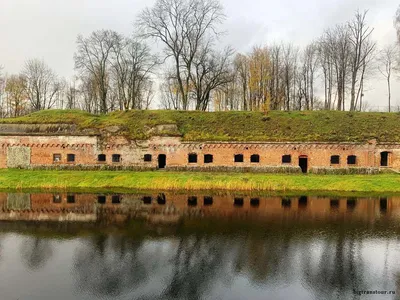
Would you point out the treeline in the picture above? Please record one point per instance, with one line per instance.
(116, 72)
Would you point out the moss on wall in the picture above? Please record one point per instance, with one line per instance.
(18, 157)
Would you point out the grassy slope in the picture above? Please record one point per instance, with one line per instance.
(325, 126)
(107, 180)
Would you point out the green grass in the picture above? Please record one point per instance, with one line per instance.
(276, 126)
(170, 181)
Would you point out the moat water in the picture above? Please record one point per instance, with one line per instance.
(198, 246)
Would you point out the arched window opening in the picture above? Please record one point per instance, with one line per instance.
(192, 201)
(101, 199)
(335, 159)
(239, 202)
(286, 159)
(352, 160)
(239, 158)
(208, 201)
(192, 158)
(208, 159)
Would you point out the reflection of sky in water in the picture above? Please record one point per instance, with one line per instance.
(277, 266)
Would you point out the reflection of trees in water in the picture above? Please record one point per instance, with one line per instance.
(265, 258)
(195, 265)
(110, 265)
(339, 270)
(199, 262)
(36, 251)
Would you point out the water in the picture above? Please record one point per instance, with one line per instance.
(197, 246)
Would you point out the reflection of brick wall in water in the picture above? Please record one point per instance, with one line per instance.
(119, 208)
(18, 202)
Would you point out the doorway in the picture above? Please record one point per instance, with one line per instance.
(385, 159)
(303, 163)
(162, 161)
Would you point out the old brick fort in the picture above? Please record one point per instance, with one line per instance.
(254, 142)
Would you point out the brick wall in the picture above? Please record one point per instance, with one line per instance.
(87, 149)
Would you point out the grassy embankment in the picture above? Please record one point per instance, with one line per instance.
(276, 126)
(125, 180)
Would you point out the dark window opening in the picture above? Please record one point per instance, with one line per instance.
(208, 201)
(385, 159)
(334, 204)
(56, 158)
(162, 161)
(101, 199)
(102, 158)
(351, 203)
(335, 159)
(116, 199)
(255, 158)
(70, 157)
(286, 159)
(192, 201)
(192, 158)
(286, 203)
(303, 164)
(70, 198)
(116, 158)
(161, 200)
(303, 202)
(148, 158)
(383, 205)
(57, 199)
(238, 202)
(239, 158)
(255, 202)
(208, 159)
(147, 200)
(352, 160)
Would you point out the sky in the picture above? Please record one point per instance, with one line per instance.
(47, 29)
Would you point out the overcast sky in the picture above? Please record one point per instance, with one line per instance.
(47, 29)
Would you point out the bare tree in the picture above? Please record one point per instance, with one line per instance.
(308, 74)
(326, 58)
(42, 84)
(16, 90)
(362, 48)
(289, 69)
(241, 68)
(89, 92)
(387, 61)
(92, 59)
(71, 95)
(185, 27)
(171, 97)
(211, 70)
(276, 82)
(132, 64)
(2, 91)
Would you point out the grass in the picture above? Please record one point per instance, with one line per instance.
(276, 126)
(11, 179)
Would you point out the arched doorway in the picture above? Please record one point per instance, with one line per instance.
(303, 163)
(162, 161)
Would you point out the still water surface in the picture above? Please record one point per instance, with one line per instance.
(166, 246)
